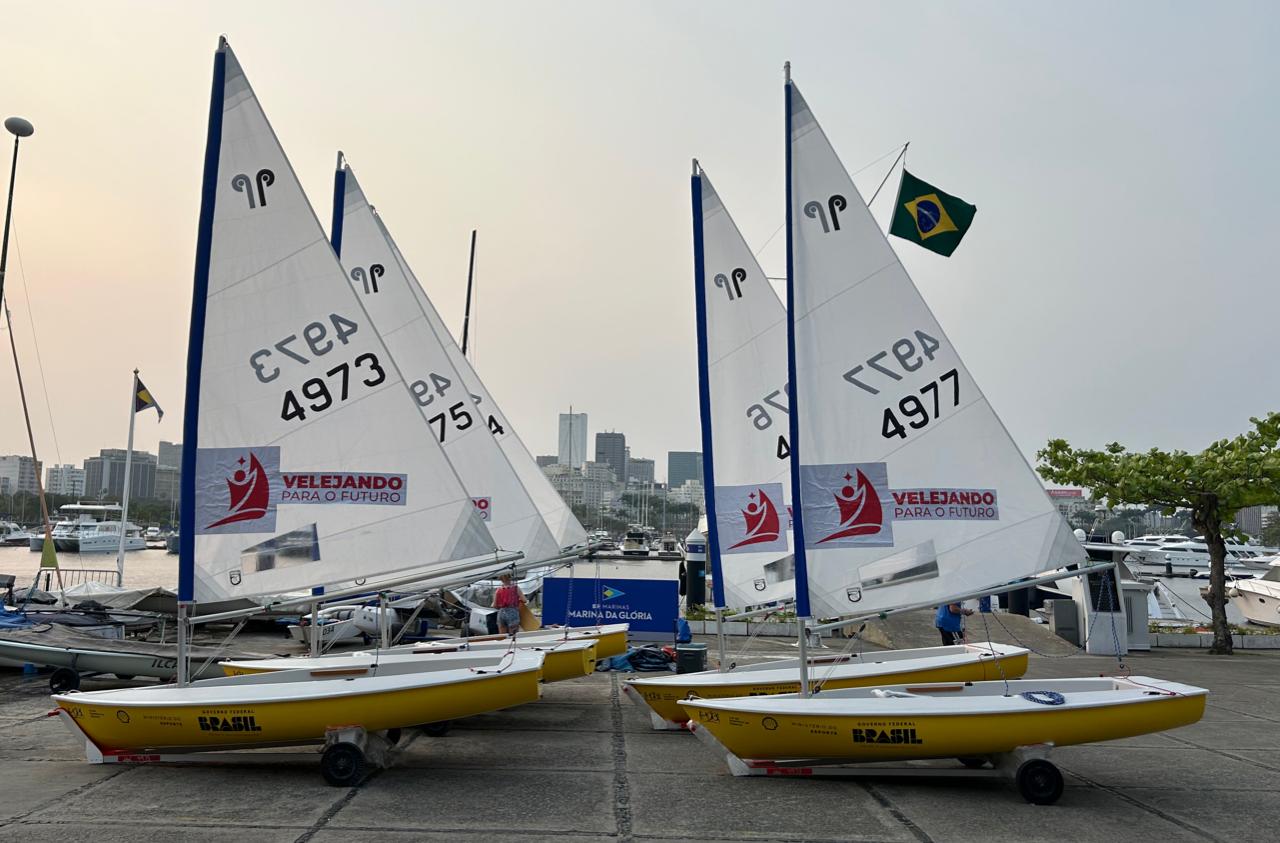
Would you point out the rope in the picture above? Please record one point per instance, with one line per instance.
(1043, 697)
(999, 663)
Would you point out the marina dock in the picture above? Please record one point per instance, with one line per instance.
(583, 765)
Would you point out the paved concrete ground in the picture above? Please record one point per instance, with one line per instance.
(583, 765)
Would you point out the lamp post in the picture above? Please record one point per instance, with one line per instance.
(20, 129)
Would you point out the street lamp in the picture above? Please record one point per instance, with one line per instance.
(20, 129)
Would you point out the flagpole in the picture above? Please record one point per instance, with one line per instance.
(128, 468)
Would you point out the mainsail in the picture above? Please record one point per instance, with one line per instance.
(910, 489)
(306, 462)
(460, 419)
(555, 512)
(742, 372)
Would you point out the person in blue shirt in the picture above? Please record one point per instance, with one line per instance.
(950, 622)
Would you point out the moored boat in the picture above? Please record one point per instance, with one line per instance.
(662, 696)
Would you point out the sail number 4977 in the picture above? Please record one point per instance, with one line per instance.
(910, 354)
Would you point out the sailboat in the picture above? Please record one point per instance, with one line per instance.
(307, 463)
(906, 484)
(742, 355)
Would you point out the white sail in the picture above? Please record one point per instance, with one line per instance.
(912, 489)
(745, 412)
(312, 465)
(458, 416)
(557, 515)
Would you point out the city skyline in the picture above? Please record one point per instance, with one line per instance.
(1057, 157)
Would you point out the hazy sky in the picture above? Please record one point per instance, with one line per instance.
(1118, 282)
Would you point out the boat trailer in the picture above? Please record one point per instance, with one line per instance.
(1037, 778)
(349, 753)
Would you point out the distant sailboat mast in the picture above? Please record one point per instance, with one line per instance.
(466, 316)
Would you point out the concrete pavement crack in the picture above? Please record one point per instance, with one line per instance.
(621, 787)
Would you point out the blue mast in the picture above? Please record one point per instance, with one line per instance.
(704, 391)
(339, 205)
(797, 507)
(195, 340)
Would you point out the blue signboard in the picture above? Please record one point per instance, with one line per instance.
(648, 605)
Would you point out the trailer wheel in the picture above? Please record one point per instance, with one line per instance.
(973, 762)
(436, 730)
(1039, 782)
(64, 679)
(342, 764)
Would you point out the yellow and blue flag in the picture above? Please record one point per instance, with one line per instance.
(142, 400)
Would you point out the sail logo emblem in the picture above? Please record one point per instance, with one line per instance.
(250, 493)
(749, 518)
(611, 593)
(843, 505)
(761, 518)
(859, 507)
(237, 489)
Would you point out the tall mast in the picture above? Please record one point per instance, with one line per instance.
(466, 316)
(128, 470)
(797, 506)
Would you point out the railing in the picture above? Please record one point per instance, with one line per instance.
(48, 580)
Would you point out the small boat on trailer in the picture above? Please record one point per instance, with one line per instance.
(610, 638)
(343, 708)
(1010, 725)
(661, 696)
(561, 659)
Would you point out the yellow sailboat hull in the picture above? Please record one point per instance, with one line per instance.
(665, 697)
(854, 738)
(611, 639)
(142, 726)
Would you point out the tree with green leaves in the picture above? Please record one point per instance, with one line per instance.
(1213, 485)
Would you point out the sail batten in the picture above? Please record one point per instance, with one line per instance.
(910, 488)
(305, 462)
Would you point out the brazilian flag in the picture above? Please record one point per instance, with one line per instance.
(930, 218)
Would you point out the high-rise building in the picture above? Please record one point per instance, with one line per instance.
(19, 474)
(591, 485)
(611, 449)
(104, 474)
(682, 466)
(64, 480)
(573, 439)
(168, 485)
(639, 470)
(170, 454)
(1252, 519)
(549, 459)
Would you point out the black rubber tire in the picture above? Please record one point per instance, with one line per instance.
(436, 730)
(343, 764)
(64, 679)
(393, 736)
(973, 762)
(1039, 782)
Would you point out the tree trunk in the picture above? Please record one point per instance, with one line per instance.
(1212, 529)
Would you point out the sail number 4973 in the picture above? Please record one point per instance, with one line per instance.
(323, 391)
